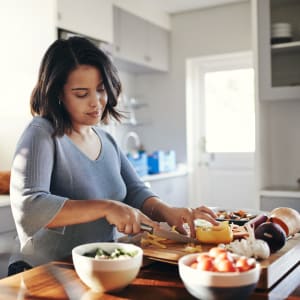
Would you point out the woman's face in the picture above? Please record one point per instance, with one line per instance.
(84, 96)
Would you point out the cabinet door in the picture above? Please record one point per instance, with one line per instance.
(269, 203)
(6, 219)
(278, 73)
(92, 18)
(8, 243)
(157, 47)
(172, 190)
(140, 42)
(129, 36)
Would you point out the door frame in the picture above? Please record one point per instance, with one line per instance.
(195, 68)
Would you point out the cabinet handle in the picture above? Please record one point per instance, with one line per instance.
(59, 16)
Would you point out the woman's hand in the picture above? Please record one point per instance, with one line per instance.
(177, 216)
(126, 218)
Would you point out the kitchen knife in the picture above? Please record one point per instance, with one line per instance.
(168, 234)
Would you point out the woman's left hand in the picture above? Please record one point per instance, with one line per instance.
(178, 216)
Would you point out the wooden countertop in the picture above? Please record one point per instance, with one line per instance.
(156, 280)
(280, 279)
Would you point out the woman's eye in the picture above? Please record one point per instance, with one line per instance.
(81, 95)
(101, 88)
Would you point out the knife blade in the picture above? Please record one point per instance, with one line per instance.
(168, 234)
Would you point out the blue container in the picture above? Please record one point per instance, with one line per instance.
(169, 161)
(161, 161)
(139, 163)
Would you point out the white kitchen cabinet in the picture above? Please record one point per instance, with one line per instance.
(278, 124)
(92, 18)
(278, 64)
(170, 189)
(140, 43)
(7, 234)
(278, 148)
(268, 201)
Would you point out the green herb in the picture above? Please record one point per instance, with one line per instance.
(115, 254)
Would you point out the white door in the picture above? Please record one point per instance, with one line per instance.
(221, 131)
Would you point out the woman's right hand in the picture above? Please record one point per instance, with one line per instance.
(126, 218)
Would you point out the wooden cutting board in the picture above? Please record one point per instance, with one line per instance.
(175, 250)
(273, 268)
(279, 263)
(172, 253)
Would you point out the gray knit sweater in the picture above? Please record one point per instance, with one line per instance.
(46, 172)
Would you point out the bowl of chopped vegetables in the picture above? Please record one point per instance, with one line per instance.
(107, 267)
(219, 274)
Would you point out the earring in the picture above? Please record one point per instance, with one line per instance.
(59, 102)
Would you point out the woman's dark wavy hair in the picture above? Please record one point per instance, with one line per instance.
(62, 57)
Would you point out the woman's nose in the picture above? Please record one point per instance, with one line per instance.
(96, 99)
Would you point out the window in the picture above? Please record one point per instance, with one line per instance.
(229, 111)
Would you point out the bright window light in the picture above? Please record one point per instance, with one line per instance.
(229, 111)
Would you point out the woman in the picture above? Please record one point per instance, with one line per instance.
(70, 182)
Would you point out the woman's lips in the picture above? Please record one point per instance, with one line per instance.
(94, 114)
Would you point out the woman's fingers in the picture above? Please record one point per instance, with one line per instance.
(205, 209)
(184, 217)
(121, 228)
(205, 213)
(131, 221)
(129, 229)
(144, 219)
(180, 217)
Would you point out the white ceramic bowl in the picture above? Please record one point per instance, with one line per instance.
(217, 285)
(103, 275)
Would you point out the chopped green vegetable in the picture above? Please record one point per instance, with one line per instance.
(118, 253)
(101, 252)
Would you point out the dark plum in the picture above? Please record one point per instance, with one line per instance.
(258, 220)
(273, 234)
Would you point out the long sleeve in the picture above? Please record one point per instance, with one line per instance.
(32, 203)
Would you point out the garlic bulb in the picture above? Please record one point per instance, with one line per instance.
(261, 249)
(249, 247)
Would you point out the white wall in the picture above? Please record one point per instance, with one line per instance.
(26, 28)
(217, 30)
(209, 31)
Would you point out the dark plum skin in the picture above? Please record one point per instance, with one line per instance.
(258, 220)
(273, 234)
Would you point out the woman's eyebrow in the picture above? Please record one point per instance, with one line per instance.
(84, 89)
(79, 89)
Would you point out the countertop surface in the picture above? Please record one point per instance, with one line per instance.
(181, 170)
(281, 191)
(156, 280)
(4, 200)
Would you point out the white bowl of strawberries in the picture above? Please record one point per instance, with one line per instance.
(219, 274)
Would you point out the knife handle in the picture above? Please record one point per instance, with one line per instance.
(146, 227)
